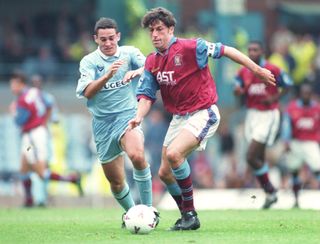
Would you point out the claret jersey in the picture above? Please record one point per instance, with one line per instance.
(256, 90)
(31, 109)
(182, 75)
(302, 122)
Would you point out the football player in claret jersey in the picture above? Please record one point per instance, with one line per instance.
(110, 99)
(263, 115)
(179, 69)
(30, 114)
(300, 132)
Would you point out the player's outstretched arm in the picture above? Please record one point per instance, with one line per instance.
(144, 107)
(96, 85)
(244, 60)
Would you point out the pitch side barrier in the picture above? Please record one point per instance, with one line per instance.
(244, 199)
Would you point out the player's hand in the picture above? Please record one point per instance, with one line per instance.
(130, 75)
(114, 67)
(134, 122)
(266, 76)
(238, 91)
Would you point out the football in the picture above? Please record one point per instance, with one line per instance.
(141, 219)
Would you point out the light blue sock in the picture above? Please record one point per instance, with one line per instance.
(183, 171)
(264, 169)
(39, 189)
(124, 198)
(25, 176)
(174, 189)
(176, 193)
(144, 183)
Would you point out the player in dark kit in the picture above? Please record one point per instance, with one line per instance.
(263, 115)
(300, 132)
(179, 70)
(30, 114)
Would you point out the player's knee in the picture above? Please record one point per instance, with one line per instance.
(137, 158)
(173, 156)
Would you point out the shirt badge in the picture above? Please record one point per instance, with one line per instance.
(178, 60)
(100, 68)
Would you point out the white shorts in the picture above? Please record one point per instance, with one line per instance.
(303, 152)
(35, 145)
(262, 126)
(202, 124)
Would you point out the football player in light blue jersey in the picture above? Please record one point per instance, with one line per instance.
(104, 81)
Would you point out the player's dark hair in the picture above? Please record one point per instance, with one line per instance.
(18, 74)
(157, 14)
(105, 23)
(256, 42)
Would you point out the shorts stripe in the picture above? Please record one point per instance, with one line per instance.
(211, 121)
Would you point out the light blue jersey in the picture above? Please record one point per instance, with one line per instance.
(115, 104)
(116, 96)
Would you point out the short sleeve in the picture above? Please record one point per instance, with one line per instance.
(238, 80)
(48, 99)
(147, 86)
(207, 49)
(87, 75)
(283, 79)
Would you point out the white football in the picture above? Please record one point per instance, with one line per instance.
(140, 219)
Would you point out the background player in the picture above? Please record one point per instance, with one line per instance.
(30, 114)
(263, 115)
(52, 117)
(300, 132)
(49, 99)
(179, 69)
(111, 101)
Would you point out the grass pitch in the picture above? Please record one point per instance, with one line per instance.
(81, 225)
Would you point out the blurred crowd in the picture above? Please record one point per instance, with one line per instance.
(298, 55)
(41, 42)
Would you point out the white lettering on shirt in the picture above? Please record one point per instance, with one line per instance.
(166, 78)
(305, 123)
(257, 89)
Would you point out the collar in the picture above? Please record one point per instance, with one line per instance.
(173, 40)
(105, 57)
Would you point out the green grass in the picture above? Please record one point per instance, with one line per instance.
(80, 225)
